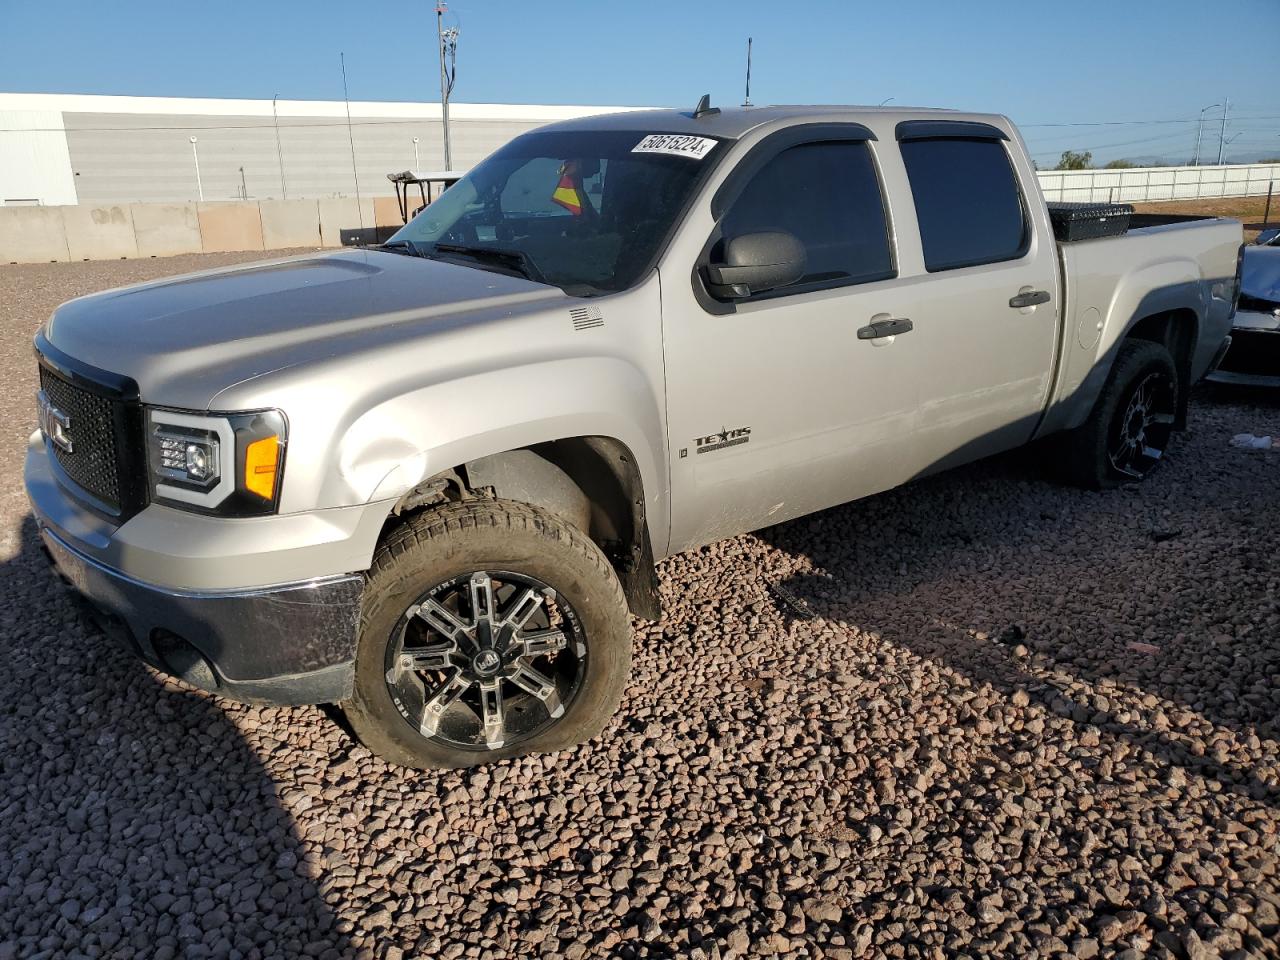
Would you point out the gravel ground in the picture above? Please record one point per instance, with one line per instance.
(980, 716)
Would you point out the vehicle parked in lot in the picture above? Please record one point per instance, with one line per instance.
(1254, 357)
(429, 480)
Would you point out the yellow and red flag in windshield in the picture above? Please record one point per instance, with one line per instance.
(568, 192)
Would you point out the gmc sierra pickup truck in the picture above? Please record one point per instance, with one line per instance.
(429, 480)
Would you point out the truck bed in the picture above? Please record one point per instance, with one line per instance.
(1080, 222)
(1139, 220)
(1162, 263)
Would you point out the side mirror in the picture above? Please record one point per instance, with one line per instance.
(755, 262)
(1268, 237)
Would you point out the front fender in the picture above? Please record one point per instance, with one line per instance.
(400, 442)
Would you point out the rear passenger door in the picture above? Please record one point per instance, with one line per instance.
(776, 406)
(986, 306)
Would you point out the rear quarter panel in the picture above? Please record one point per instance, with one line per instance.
(1110, 284)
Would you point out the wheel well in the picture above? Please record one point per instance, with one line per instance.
(591, 482)
(1176, 331)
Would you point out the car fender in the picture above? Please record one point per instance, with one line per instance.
(395, 445)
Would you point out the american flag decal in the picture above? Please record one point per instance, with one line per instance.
(584, 318)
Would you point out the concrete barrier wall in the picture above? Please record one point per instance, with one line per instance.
(225, 227)
(166, 229)
(32, 235)
(116, 231)
(345, 222)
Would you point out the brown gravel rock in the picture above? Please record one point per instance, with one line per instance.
(981, 716)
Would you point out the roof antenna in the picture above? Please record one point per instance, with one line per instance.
(704, 108)
(746, 101)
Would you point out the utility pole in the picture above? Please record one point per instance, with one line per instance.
(746, 101)
(196, 156)
(1200, 132)
(275, 117)
(1222, 135)
(448, 42)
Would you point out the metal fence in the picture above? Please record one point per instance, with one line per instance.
(1139, 184)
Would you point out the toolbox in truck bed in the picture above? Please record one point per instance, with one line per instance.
(1088, 221)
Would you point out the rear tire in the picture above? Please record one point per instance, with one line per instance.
(490, 629)
(1131, 425)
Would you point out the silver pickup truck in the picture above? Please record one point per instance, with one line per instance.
(429, 480)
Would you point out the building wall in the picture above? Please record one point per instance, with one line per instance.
(68, 148)
(127, 157)
(34, 163)
(58, 149)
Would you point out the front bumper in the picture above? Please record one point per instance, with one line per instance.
(260, 610)
(1253, 359)
(286, 644)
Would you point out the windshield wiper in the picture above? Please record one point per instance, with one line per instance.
(517, 260)
(407, 246)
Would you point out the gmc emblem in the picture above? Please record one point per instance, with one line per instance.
(55, 424)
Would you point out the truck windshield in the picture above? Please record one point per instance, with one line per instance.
(586, 211)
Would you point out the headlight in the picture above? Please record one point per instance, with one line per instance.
(226, 464)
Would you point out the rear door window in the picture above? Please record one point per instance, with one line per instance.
(967, 200)
(827, 195)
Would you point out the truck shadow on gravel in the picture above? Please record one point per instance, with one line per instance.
(135, 819)
(1146, 614)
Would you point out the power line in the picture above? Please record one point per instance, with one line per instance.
(1125, 123)
(1106, 146)
(1045, 151)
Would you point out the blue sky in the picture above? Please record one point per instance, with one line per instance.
(1083, 62)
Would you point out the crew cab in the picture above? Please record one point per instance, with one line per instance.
(429, 480)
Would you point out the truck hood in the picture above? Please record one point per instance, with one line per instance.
(185, 339)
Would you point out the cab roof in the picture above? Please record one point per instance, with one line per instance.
(734, 122)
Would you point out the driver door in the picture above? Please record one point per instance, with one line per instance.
(776, 406)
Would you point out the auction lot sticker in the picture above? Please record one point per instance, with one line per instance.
(675, 144)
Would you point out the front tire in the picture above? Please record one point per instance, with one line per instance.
(490, 629)
(1131, 425)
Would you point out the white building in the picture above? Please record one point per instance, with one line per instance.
(72, 148)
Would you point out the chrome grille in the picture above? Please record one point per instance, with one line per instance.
(93, 461)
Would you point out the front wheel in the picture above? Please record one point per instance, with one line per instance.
(490, 629)
(1132, 423)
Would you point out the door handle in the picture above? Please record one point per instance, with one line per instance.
(885, 328)
(1029, 299)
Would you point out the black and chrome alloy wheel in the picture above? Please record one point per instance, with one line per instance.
(1143, 425)
(486, 660)
(488, 630)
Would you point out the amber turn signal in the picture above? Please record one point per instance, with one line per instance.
(261, 460)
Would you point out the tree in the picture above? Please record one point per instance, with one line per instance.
(1120, 165)
(1075, 161)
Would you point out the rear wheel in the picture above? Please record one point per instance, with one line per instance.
(1132, 423)
(491, 629)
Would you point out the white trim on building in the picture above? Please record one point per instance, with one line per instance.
(35, 164)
